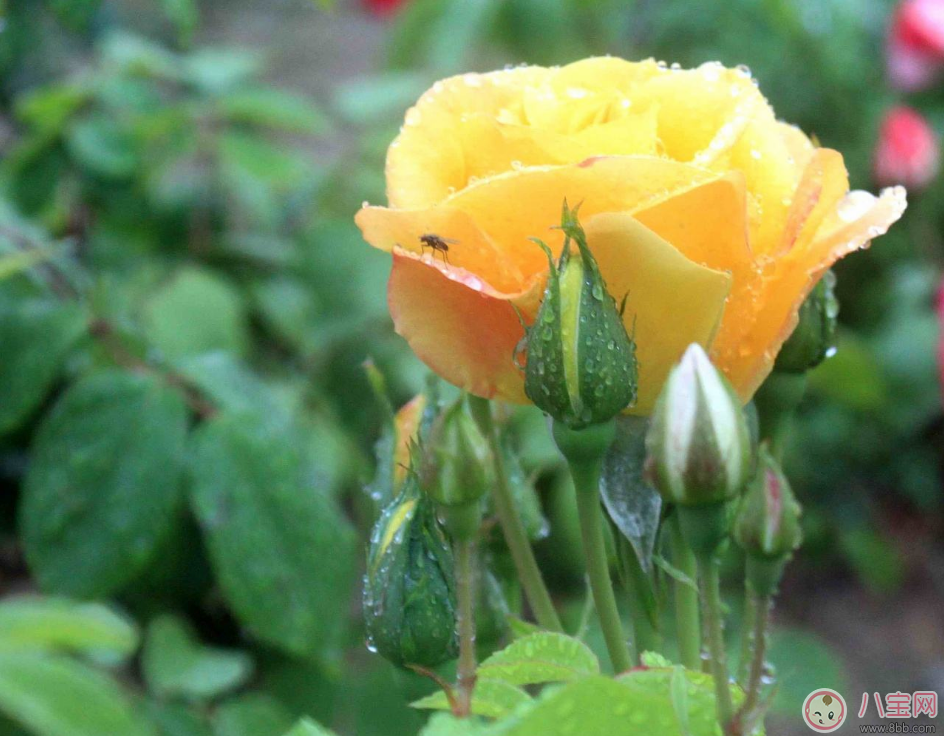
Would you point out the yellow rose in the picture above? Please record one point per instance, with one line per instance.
(714, 218)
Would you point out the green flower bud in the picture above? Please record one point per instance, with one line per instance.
(699, 446)
(814, 338)
(768, 518)
(581, 366)
(457, 465)
(409, 588)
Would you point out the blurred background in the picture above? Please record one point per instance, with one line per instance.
(186, 428)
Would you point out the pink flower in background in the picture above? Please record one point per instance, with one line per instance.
(907, 150)
(382, 8)
(915, 54)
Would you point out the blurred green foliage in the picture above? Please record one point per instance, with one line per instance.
(185, 306)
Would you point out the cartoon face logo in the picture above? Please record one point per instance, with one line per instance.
(824, 710)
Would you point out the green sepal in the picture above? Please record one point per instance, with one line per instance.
(814, 338)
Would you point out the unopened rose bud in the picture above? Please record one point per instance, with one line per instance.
(699, 446)
(814, 338)
(456, 470)
(907, 151)
(767, 524)
(409, 588)
(581, 365)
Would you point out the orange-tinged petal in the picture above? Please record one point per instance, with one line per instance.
(707, 223)
(822, 185)
(465, 334)
(514, 207)
(671, 300)
(406, 426)
(468, 247)
(747, 351)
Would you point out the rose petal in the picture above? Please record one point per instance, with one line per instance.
(671, 300)
(465, 335)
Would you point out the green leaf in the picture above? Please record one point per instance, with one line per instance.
(804, 662)
(196, 312)
(175, 663)
(37, 335)
(640, 702)
(33, 623)
(227, 382)
(633, 504)
(184, 15)
(281, 549)
(446, 724)
(250, 156)
(252, 715)
(542, 657)
(273, 108)
(48, 108)
(58, 696)
(103, 487)
(307, 727)
(173, 719)
(491, 699)
(216, 70)
(365, 100)
(101, 145)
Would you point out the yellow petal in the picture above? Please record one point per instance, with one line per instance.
(426, 161)
(514, 207)
(671, 300)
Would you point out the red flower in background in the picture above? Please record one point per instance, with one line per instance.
(907, 150)
(915, 55)
(382, 8)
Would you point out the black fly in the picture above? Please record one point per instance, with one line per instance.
(438, 244)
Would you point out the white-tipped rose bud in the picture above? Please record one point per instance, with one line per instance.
(699, 447)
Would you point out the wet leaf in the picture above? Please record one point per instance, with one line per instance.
(633, 504)
(541, 657)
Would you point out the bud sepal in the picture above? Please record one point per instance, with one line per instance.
(814, 338)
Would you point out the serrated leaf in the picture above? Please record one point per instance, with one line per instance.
(542, 657)
(639, 702)
(307, 727)
(175, 663)
(196, 312)
(103, 487)
(491, 699)
(58, 696)
(281, 549)
(36, 335)
(252, 715)
(633, 504)
(34, 623)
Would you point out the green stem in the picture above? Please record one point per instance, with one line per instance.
(584, 451)
(465, 553)
(761, 606)
(642, 604)
(687, 624)
(748, 621)
(709, 581)
(512, 527)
